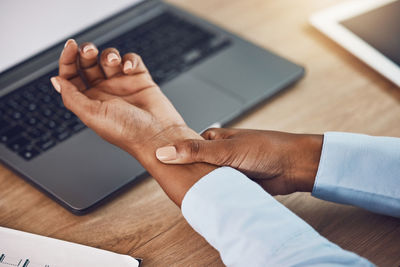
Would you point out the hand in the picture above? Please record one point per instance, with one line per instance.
(118, 99)
(127, 108)
(282, 163)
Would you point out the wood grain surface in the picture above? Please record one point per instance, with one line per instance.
(338, 93)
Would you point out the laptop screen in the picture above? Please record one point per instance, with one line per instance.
(28, 27)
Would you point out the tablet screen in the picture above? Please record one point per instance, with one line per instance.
(380, 28)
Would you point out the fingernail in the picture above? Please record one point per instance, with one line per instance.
(166, 153)
(56, 84)
(112, 57)
(69, 41)
(128, 65)
(89, 48)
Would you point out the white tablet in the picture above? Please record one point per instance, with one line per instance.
(369, 29)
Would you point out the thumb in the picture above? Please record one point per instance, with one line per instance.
(193, 150)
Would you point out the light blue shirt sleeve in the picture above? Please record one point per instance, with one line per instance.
(360, 170)
(250, 228)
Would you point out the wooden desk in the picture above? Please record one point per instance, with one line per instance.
(338, 93)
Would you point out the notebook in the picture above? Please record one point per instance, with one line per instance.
(23, 249)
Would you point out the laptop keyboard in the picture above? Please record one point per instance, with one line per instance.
(168, 45)
(33, 118)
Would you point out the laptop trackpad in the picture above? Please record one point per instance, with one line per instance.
(200, 103)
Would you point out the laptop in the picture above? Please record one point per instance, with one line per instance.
(210, 75)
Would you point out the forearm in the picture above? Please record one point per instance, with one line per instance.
(249, 227)
(175, 180)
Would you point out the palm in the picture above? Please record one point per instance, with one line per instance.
(125, 100)
(126, 115)
(148, 97)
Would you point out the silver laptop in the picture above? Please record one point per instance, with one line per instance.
(210, 75)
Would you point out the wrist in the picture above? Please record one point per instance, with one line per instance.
(306, 161)
(175, 180)
(145, 151)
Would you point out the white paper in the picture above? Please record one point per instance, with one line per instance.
(29, 250)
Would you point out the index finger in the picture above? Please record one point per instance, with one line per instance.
(218, 133)
(68, 67)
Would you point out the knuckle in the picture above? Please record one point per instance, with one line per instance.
(211, 133)
(195, 150)
(136, 56)
(192, 149)
(138, 61)
(206, 133)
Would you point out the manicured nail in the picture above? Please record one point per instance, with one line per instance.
(112, 57)
(69, 41)
(89, 48)
(128, 65)
(56, 84)
(166, 153)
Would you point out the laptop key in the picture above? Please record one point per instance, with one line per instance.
(51, 124)
(16, 115)
(46, 144)
(47, 99)
(18, 143)
(217, 42)
(67, 115)
(29, 152)
(62, 136)
(60, 103)
(31, 121)
(35, 133)
(11, 133)
(192, 56)
(77, 126)
(32, 107)
(47, 112)
(28, 95)
(13, 104)
(3, 125)
(44, 87)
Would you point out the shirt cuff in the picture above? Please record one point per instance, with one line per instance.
(360, 170)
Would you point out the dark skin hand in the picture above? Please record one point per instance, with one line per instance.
(117, 98)
(282, 163)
